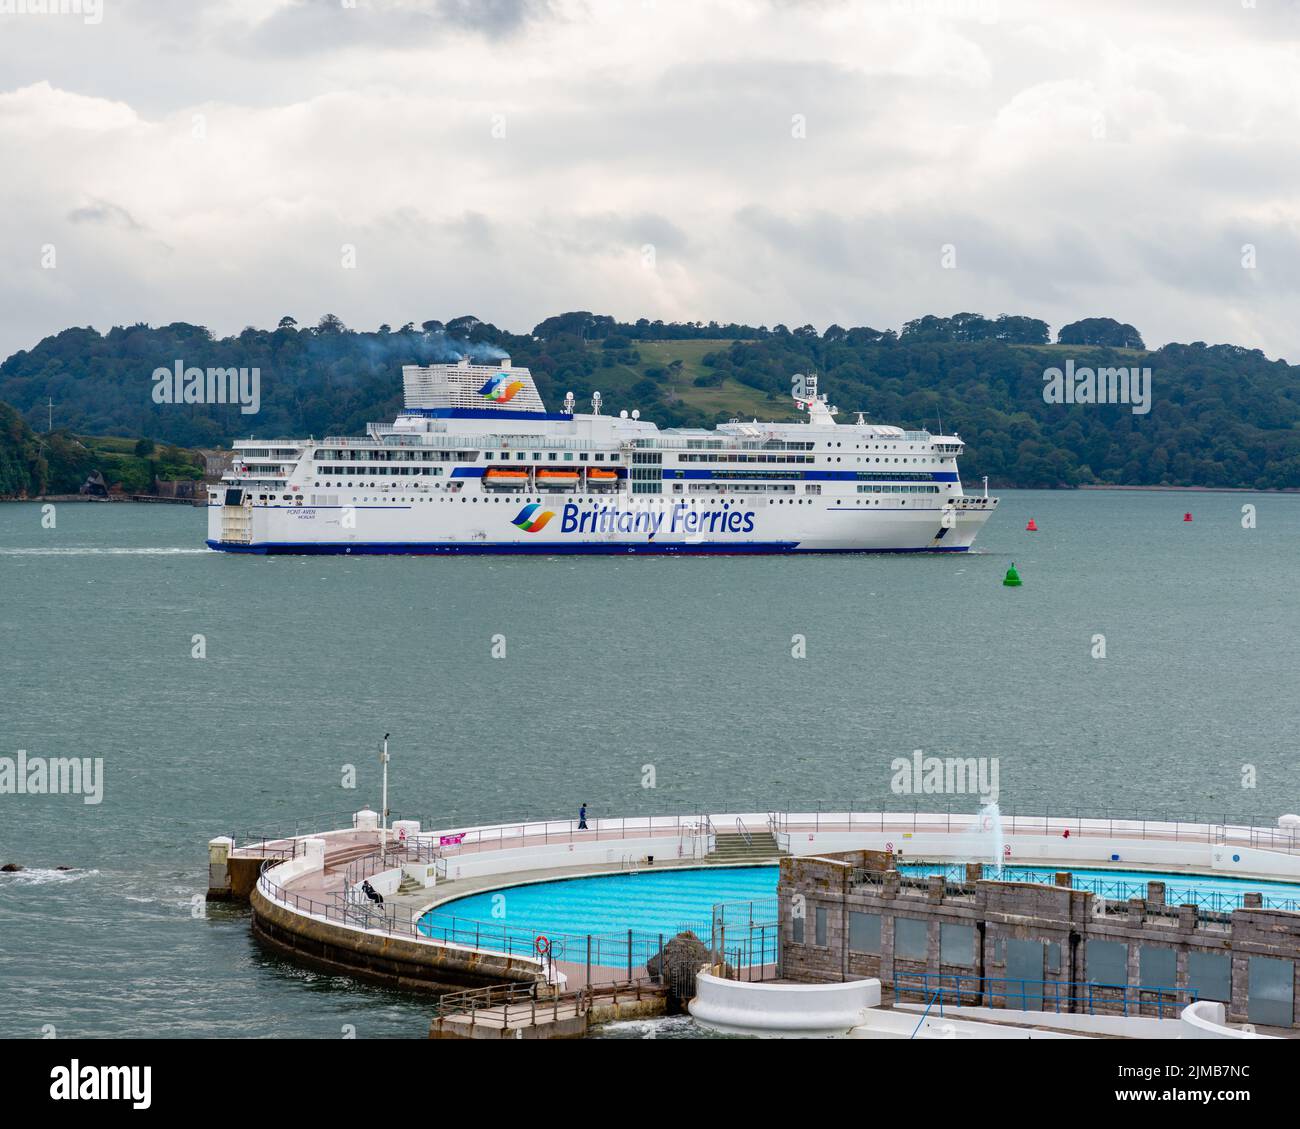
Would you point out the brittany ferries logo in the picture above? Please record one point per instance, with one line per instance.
(530, 521)
(497, 390)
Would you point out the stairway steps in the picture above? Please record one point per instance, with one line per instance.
(729, 846)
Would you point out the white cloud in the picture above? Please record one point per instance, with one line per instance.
(1102, 163)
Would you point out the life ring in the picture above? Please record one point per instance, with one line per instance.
(542, 945)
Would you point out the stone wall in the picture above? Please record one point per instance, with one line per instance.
(1031, 941)
(394, 961)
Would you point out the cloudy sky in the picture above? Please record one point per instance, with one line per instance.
(758, 160)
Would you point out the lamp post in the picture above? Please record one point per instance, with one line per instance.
(383, 815)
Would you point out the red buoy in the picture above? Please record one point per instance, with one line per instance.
(1031, 527)
(1187, 517)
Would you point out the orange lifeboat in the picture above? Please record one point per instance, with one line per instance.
(595, 474)
(558, 475)
(499, 477)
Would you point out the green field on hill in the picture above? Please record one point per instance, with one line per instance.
(681, 362)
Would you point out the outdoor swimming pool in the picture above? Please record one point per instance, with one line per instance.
(1217, 893)
(647, 904)
(619, 919)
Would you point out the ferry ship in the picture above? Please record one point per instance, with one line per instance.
(476, 464)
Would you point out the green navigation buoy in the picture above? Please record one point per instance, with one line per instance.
(1012, 578)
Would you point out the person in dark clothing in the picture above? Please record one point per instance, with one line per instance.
(582, 818)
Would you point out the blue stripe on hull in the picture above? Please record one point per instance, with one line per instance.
(544, 549)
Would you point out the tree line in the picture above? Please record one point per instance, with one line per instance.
(1223, 415)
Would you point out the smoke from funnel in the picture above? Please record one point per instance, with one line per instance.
(423, 348)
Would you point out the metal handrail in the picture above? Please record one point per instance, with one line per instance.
(477, 999)
(303, 828)
(954, 987)
(1211, 828)
(925, 1013)
(526, 831)
(859, 815)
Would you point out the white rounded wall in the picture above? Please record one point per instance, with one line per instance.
(814, 1011)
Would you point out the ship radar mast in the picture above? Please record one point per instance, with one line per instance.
(568, 403)
(806, 397)
(595, 403)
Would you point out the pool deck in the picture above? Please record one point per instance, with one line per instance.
(347, 845)
(492, 856)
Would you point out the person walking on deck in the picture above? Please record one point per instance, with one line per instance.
(582, 818)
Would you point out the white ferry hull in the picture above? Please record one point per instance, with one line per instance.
(485, 525)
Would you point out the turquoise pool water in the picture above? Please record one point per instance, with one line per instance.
(624, 915)
(649, 903)
(1211, 892)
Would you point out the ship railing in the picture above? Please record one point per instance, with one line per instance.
(386, 432)
(731, 443)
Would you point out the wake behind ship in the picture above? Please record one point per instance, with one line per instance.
(476, 464)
